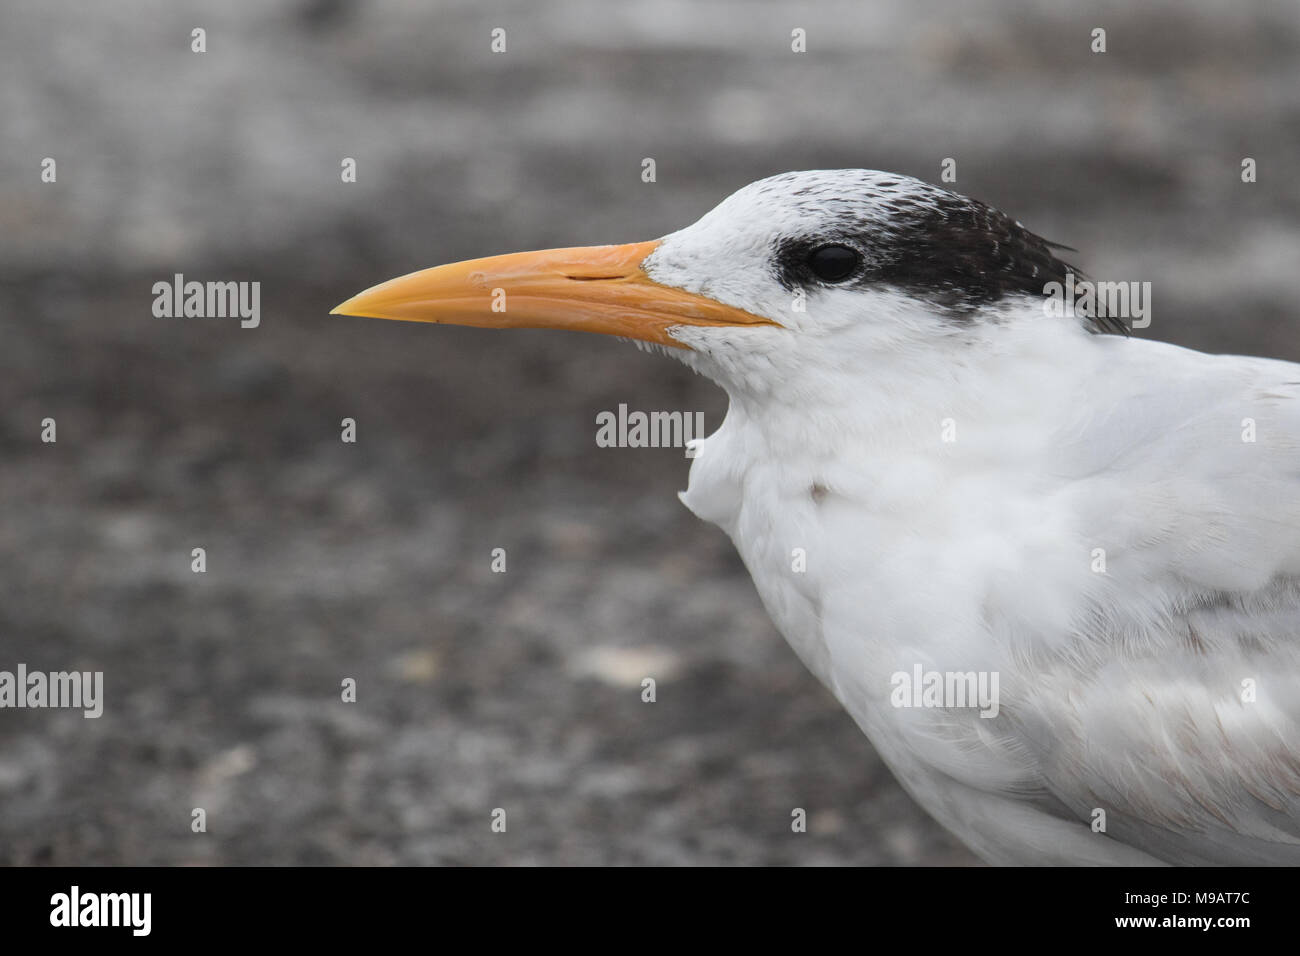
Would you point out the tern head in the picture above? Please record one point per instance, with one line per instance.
(800, 273)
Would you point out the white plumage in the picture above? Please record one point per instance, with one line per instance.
(1120, 691)
(925, 471)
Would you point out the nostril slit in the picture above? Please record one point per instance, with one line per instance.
(592, 278)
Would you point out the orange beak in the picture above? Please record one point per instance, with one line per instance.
(588, 289)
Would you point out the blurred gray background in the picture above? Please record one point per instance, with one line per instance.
(327, 560)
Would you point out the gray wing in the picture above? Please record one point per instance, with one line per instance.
(1185, 724)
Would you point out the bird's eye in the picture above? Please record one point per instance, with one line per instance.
(834, 263)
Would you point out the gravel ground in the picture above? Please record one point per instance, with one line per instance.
(371, 560)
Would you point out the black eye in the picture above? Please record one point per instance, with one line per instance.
(834, 263)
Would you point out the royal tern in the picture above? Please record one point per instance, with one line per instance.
(928, 474)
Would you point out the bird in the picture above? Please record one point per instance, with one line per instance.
(930, 471)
